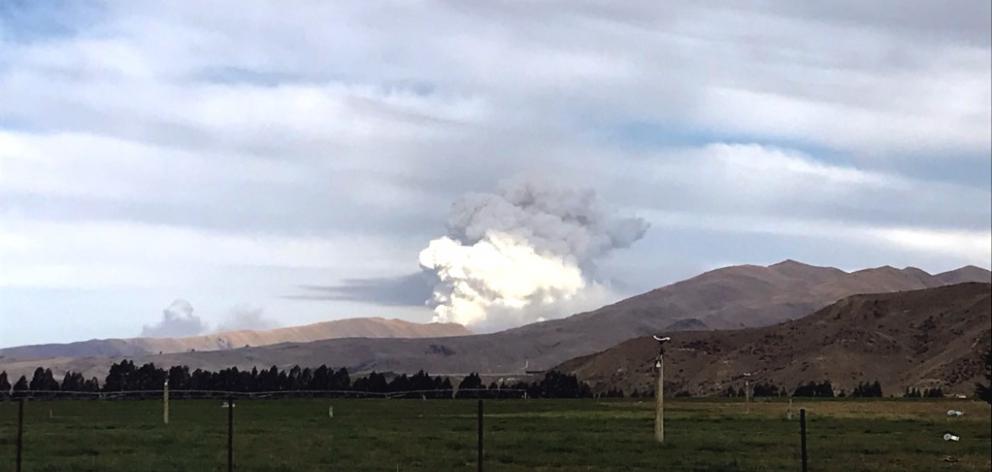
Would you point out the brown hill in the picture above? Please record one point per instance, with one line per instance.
(921, 338)
(347, 328)
(731, 297)
(965, 274)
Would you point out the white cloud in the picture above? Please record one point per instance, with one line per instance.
(972, 246)
(871, 131)
(762, 70)
(157, 144)
(116, 254)
(88, 165)
(960, 246)
(771, 165)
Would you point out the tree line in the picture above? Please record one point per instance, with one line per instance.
(925, 393)
(126, 376)
(822, 389)
(825, 389)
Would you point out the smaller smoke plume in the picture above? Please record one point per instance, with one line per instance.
(246, 317)
(523, 254)
(177, 320)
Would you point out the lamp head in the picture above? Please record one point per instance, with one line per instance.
(661, 347)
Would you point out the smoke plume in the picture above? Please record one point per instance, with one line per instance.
(245, 317)
(177, 320)
(523, 253)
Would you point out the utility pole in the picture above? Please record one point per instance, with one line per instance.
(165, 402)
(659, 391)
(747, 392)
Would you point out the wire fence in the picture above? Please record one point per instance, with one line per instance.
(193, 394)
(233, 398)
(484, 430)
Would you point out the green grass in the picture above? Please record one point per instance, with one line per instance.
(521, 435)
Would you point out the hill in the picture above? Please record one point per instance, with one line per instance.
(347, 328)
(730, 297)
(921, 338)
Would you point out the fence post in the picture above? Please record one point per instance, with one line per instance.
(802, 434)
(20, 431)
(230, 434)
(480, 435)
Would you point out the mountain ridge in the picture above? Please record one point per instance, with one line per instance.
(931, 337)
(725, 298)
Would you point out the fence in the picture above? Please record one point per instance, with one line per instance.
(231, 400)
(471, 393)
(472, 433)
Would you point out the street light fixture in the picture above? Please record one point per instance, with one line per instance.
(659, 390)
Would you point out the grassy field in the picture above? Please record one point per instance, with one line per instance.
(440, 435)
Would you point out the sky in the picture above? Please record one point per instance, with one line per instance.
(270, 164)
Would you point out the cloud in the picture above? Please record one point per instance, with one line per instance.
(177, 321)
(768, 69)
(95, 255)
(158, 147)
(855, 127)
(770, 182)
(955, 247)
(973, 246)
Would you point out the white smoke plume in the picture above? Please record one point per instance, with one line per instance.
(523, 253)
(177, 320)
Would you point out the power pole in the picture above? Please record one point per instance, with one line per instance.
(165, 402)
(747, 392)
(659, 401)
(659, 391)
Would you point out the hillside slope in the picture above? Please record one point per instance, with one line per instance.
(347, 328)
(921, 338)
(724, 298)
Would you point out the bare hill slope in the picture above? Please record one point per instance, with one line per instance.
(731, 297)
(347, 328)
(922, 338)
